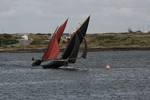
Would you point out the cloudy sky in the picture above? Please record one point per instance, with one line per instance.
(45, 15)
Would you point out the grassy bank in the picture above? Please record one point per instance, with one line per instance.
(119, 40)
(96, 42)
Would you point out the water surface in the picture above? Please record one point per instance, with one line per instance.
(128, 78)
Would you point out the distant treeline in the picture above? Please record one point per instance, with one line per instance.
(95, 40)
(8, 39)
(119, 40)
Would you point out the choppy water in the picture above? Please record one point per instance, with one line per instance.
(129, 78)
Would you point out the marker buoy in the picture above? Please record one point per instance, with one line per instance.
(108, 67)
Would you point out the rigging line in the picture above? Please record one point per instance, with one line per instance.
(84, 54)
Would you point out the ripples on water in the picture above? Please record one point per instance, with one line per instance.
(128, 79)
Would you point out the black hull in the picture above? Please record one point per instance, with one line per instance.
(55, 64)
(36, 62)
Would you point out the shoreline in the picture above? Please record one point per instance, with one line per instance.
(89, 49)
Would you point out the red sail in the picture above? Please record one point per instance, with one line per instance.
(53, 49)
(61, 30)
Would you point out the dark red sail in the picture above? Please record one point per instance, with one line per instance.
(53, 48)
(61, 30)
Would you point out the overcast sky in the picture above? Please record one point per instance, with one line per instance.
(45, 15)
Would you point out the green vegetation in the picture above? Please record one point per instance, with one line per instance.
(99, 40)
(119, 40)
(39, 39)
(7, 39)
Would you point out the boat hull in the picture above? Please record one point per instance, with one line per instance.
(37, 62)
(55, 64)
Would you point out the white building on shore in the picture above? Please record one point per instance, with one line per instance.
(24, 41)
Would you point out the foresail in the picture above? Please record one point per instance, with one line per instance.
(53, 48)
(61, 30)
(52, 51)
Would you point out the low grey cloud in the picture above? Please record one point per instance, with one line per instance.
(45, 15)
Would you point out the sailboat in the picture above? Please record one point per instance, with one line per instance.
(70, 54)
(53, 50)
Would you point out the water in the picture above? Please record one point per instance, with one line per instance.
(128, 79)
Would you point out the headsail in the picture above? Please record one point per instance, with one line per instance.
(61, 30)
(53, 48)
(72, 49)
